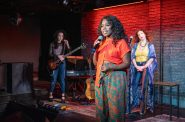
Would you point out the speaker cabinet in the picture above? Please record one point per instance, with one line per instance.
(2, 77)
(19, 78)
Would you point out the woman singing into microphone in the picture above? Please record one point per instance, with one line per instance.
(111, 58)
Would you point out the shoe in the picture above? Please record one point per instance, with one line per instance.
(150, 110)
(50, 99)
(63, 99)
(141, 113)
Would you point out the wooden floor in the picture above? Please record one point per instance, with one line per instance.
(34, 108)
(17, 112)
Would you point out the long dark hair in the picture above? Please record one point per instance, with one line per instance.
(118, 31)
(55, 35)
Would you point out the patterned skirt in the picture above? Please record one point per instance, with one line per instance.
(110, 97)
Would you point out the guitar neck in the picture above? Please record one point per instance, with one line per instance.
(71, 52)
(76, 49)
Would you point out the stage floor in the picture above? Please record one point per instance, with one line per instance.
(25, 109)
(76, 106)
(44, 111)
(37, 108)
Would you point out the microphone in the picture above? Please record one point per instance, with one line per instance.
(130, 41)
(100, 38)
(131, 37)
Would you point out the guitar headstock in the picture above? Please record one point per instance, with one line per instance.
(83, 46)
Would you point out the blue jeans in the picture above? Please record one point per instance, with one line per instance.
(59, 75)
(138, 92)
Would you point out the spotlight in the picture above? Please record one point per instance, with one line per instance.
(65, 2)
(16, 19)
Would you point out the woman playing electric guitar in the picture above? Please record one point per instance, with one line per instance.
(58, 48)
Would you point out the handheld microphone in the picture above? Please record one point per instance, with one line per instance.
(130, 41)
(100, 38)
(131, 37)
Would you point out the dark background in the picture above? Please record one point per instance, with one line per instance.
(71, 23)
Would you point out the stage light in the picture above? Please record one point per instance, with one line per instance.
(119, 5)
(16, 19)
(65, 2)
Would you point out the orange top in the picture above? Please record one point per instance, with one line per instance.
(107, 51)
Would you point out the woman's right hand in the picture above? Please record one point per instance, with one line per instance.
(97, 41)
(61, 57)
(139, 68)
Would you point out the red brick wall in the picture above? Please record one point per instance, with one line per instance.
(132, 16)
(164, 19)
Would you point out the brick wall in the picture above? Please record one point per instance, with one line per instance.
(173, 31)
(132, 16)
(164, 19)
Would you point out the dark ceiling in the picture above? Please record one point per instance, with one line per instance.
(37, 7)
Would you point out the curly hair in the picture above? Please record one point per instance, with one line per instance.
(136, 38)
(118, 31)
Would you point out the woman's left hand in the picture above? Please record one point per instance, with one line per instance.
(103, 69)
(140, 68)
(106, 67)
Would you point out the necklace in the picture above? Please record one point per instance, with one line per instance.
(143, 45)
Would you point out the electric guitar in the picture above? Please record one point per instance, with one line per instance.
(90, 87)
(53, 64)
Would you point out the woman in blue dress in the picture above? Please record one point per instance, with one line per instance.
(142, 69)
